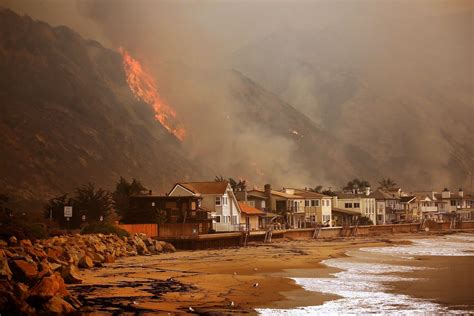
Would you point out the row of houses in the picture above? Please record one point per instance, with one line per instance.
(214, 206)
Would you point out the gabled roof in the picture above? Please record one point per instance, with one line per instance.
(407, 199)
(209, 187)
(250, 210)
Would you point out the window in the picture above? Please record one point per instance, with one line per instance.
(218, 200)
(217, 219)
(152, 203)
(307, 203)
(453, 203)
(348, 205)
(263, 204)
(314, 203)
(356, 205)
(224, 200)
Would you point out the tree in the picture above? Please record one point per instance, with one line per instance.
(357, 185)
(365, 221)
(240, 185)
(123, 191)
(92, 202)
(317, 189)
(387, 184)
(55, 209)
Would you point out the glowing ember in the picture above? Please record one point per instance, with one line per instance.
(143, 86)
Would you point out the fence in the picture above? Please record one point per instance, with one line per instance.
(148, 229)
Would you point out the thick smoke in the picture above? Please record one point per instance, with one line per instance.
(393, 79)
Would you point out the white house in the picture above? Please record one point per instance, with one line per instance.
(218, 198)
(361, 203)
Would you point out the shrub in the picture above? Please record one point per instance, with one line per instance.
(30, 231)
(104, 228)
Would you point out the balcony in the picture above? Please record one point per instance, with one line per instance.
(429, 209)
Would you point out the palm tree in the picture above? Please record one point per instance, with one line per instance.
(387, 184)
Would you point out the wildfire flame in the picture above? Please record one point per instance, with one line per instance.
(144, 88)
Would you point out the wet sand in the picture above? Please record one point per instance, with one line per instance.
(448, 281)
(238, 280)
(210, 280)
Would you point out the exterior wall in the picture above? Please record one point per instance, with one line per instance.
(381, 215)
(366, 206)
(226, 217)
(253, 221)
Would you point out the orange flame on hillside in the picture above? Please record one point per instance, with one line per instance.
(144, 88)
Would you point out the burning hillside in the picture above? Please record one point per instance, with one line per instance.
(144, 87)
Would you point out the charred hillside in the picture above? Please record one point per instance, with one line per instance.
(69, 117)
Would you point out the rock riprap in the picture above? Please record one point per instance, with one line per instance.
(33, 275)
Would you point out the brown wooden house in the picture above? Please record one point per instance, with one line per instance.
(175, 215)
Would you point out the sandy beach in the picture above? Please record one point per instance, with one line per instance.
(238, 280)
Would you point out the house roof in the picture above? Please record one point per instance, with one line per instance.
(343, 195)
(277, 193)
(344, 211)
(382, 195)
(407, 199)
(250, 210)
(310, 194)
(209, 187)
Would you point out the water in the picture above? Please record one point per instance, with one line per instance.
(366, 276)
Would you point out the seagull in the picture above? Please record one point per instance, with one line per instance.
(232, 303)
(255, 285)
(235, 273)
(191, 309)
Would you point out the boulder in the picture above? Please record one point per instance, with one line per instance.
(167, 247)
(48, 287)
(158, 246)
(109, 259)
(5, 272)
(21, 290)
(140, 246)
(86, 262)
(26, 243)
(57, 306)
(12, 241)
(23, 271)
(71, 274)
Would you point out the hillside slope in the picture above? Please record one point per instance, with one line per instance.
(69, 117)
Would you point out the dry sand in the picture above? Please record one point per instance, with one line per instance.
(223, 281)
(210, 280)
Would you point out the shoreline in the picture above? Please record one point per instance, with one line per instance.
(223, 281)
(218, 277)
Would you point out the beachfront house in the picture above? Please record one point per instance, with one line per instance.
(251, 217)
(218, 198)
(363, 203)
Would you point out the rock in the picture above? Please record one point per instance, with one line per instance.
(56, 305)
(26, 243)
(86, 262)
(71, 274)
(167, 247)
(96, 257)
(158, 246)
(140, 245)
(21, 290)
(44, 268)
(12, 241)
(5, 272)
(3, 243)
(48, 287)
(109, 259)
(23, 271)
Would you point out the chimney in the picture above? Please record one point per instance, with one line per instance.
(268, 195)
(446, 194)
(461, 193)
(367, 191)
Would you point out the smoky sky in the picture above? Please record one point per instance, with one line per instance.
(381, 75)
